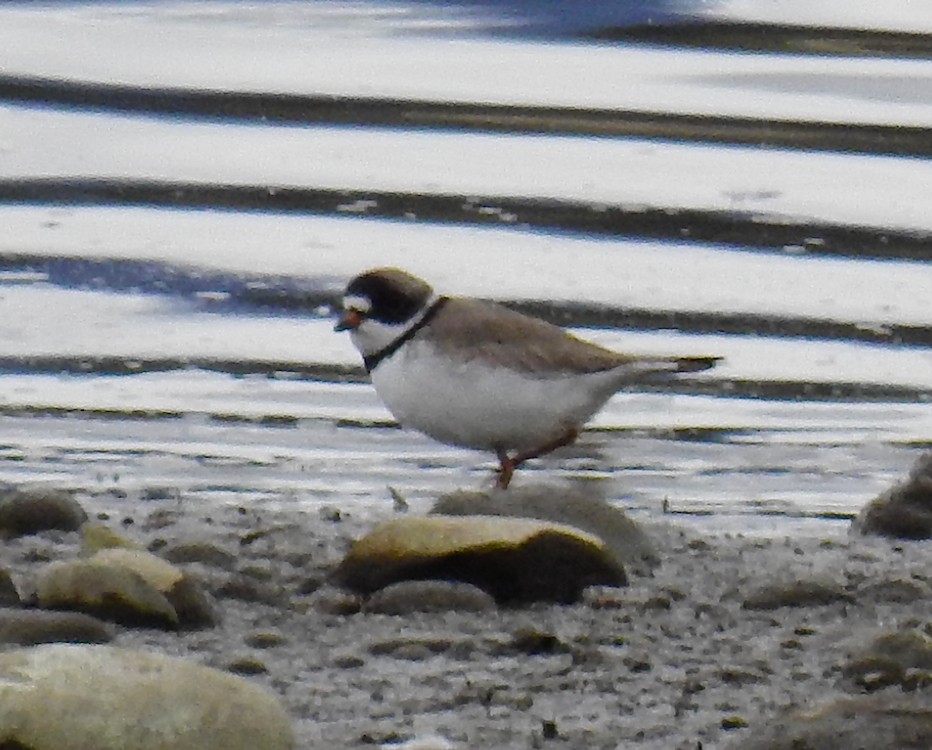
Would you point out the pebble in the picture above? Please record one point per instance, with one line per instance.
(29, 511)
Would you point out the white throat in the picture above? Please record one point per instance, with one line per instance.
(372, 336)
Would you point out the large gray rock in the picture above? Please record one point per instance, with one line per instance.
(111, 593)
(28, 511)
(892, 721)
(513, 559)
(71, 697)
(192, 606)
(905, 510)
(575, 505)
(130, 586)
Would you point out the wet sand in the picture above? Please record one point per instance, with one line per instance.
(671, 661)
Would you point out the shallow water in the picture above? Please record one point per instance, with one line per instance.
(178, 227)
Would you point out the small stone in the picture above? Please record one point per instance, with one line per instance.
(265, 639)
(799, 593)
(247, 589)
(348, 661)
(152, 494)
(162, 518)
(428, 596)
(638, 664)
(30, 511)
(194, 607)
(412, 649)
(247, 665)
(9, 596)
(310, 585)
(331, 514)
(535, 642)
(28, 627)
(738, 676)
(200, 552)
(333, 601)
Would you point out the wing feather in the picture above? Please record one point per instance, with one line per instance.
(507, 338)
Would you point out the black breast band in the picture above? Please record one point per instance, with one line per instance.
(372, 361)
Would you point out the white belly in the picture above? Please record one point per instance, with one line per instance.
(474, 406)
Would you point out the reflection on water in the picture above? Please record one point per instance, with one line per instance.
(166, 283)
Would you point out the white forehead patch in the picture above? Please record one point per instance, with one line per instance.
(357, 303)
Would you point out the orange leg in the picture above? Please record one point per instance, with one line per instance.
(509, 464)
(505, 471)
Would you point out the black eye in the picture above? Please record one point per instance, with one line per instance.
(390, 302)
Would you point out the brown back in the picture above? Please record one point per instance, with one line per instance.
(509, 339)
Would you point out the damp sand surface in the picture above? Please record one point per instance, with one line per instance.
(671, 661)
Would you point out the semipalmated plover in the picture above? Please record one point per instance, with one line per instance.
(475, 374)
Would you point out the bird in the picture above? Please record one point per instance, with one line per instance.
(476, 374)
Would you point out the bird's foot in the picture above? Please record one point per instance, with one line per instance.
(508, 464)
(506, 470)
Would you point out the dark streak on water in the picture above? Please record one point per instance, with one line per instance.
(337, 373)
(737, 228)
(269, 108)
(245, 293)
(757, 37)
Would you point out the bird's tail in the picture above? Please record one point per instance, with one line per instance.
(643, 369)
(695, 364)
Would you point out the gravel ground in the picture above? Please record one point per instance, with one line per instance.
(698, 655)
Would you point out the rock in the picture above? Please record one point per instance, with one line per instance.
(892, 721)
(905, 510)
(265, 639)
(567, 504)
(417, 648)
(193, 607)
(428, 596)
(533, 642)
(799, 593)
(897, 590)
(28, 627)
(159, 573)
(903, 659)
(129, 586)
(9, 596)
(95, 537)
(200, 552)
(112, 593)
(513, 559)
(245, 588)
(106, 698)
(247, 665)
(333, 601)
(30, 511)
